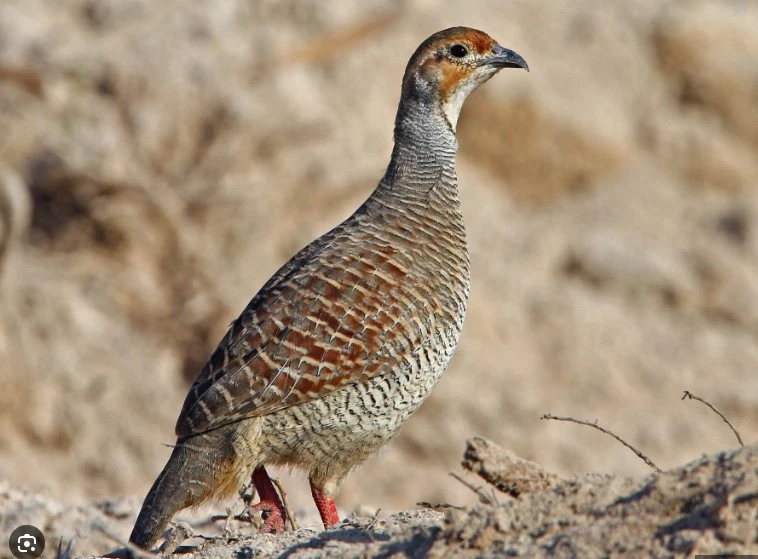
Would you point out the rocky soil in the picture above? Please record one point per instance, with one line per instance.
(709, 506)
(158, 163)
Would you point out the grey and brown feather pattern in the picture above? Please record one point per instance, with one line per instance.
(342, 345)
(344, 315)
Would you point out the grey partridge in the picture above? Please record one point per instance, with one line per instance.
(343, 344)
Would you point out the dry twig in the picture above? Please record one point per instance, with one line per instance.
(691, 396)
(287, 510)
(438, 506)
(227, 528)
(374, 519)
(354, 522)
(484, 497)
(61, 553)
(247, 516)
(607, 432)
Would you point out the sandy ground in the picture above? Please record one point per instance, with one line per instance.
(709, 506)
(157, 164)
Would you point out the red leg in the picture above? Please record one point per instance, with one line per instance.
(272, 510)
(326, 507)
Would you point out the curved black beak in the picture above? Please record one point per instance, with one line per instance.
(505, 58)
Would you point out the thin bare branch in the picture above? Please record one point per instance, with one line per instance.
(484, 496)
(691, 396)
(227, 528)
(287, 509)
(438, 506)
(374, 519)
(241, 517)
(356, 522)
(607, 432)
(246, 516)
(61, 553)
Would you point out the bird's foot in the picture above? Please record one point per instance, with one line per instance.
(270, 506)
(273, 515)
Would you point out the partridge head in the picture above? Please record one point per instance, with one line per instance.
(451, 64)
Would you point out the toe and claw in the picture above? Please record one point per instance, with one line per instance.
(270, 506)
(272, 510)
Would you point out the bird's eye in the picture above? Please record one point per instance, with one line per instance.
(458, 51)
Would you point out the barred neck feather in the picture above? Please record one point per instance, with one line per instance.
(422, 166)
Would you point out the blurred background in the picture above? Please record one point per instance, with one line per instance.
(160, 160)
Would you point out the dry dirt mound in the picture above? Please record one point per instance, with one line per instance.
(706, 507)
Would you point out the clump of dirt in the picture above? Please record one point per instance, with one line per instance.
(705, 507)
